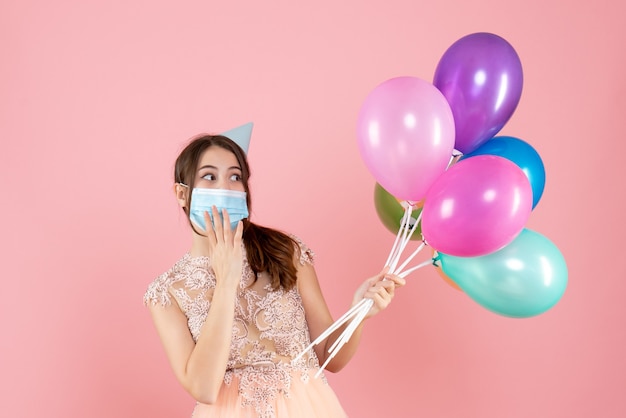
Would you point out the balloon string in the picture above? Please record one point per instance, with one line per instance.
(408, 260)
(412, 269)
(352, 326)
(345, 336)
(357, 313)
(454, 158)
(405, 218)
(404, 243)
(344, 318)
(405, 233)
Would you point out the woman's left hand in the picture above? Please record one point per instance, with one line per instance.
(380, 289)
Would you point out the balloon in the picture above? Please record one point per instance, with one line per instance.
(481, 77)
(405, 134)
(390, 211)
(476, 207)
(441, 273)
(522, 154)
(523, 279)
(446, 279)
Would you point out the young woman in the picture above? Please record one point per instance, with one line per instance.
(236, 310)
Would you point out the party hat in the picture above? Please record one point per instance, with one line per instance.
(241, 135)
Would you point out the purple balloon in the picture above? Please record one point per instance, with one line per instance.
(481, 77)
(405, 133)
(478, 206)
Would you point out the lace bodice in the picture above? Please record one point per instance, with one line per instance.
(269, 330)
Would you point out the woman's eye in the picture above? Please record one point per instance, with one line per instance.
(208, 177)
(235, 177)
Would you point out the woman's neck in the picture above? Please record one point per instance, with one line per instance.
(199, 247)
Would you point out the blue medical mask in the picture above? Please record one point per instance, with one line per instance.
(204, 199)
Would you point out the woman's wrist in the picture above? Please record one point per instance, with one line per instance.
(226, 287)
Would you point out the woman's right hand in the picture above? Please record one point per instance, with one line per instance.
(225, 248)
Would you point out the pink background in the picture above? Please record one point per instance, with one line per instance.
(98, 98)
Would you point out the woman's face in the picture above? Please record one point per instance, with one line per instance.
(218, 168)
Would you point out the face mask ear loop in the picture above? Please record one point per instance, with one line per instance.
(186, 210)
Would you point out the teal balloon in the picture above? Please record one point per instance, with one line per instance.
(521, 280)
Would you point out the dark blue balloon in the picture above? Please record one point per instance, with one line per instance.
(522, 154)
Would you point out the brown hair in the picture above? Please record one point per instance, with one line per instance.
(267, 249)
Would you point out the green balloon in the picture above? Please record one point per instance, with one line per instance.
(390, 212)
(523, 279)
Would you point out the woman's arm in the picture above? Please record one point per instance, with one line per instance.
(319, 318)
(200, 366)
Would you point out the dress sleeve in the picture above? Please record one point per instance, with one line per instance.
(307, 256)
(159, 291)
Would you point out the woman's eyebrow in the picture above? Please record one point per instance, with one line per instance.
(207, 166)
(234, 167)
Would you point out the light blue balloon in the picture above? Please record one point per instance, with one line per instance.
(523, 279)
(522, 154)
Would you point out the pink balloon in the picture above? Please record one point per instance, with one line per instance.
(478, 206)
(405, 132)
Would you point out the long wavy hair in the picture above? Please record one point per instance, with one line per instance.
(267, 249)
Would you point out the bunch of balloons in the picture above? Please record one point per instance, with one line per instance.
(433, 151)
(444, 177)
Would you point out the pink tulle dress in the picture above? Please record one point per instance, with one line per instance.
(270, 330)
